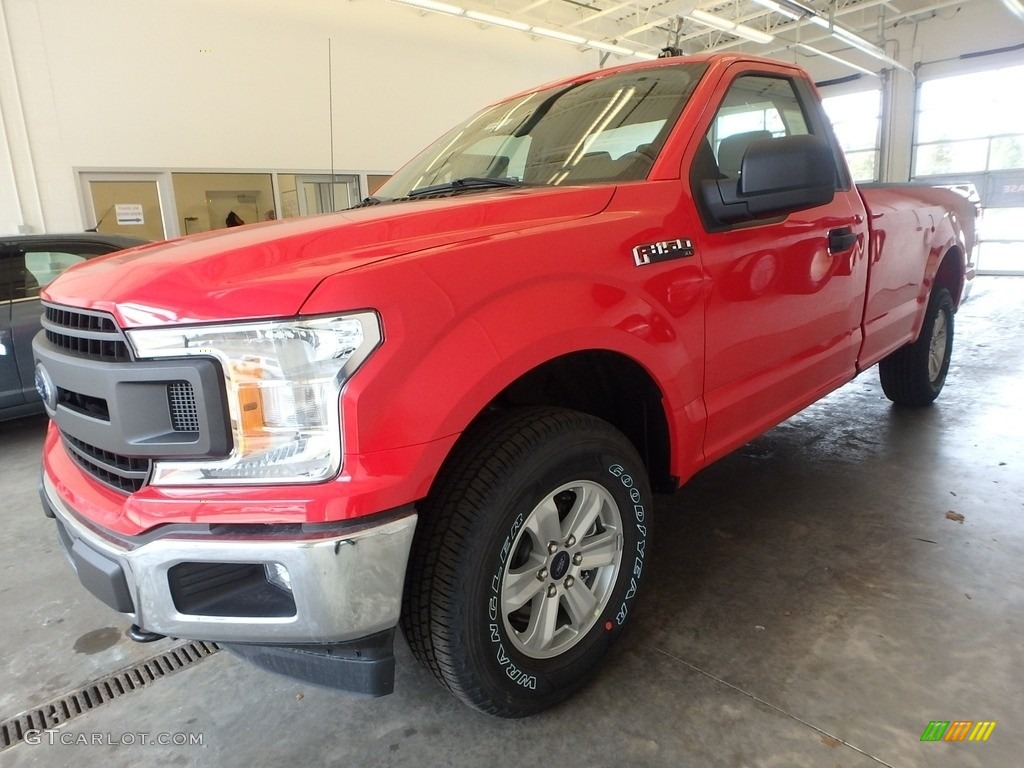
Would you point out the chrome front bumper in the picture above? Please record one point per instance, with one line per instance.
(345, 580)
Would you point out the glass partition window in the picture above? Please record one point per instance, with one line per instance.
(856, 120)
(127, 206)
(207, 201)
(305, 195)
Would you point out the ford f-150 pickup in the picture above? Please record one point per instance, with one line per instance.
(447, 408)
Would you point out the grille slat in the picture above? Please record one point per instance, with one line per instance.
(123, 473)
(88, 334)
(94, 336)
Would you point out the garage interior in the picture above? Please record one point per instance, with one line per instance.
(816, 598)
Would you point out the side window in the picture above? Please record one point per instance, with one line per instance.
(796, 166)
(755, 107)
(8, 275)
(16, 281)
(41, 267)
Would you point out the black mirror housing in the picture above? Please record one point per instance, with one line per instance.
(777, 177)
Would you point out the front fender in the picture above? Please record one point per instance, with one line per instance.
(463, 323)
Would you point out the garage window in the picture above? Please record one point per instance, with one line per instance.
(981, 144)
(856, 120)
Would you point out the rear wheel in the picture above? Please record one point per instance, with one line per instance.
(915, 373)
(527, 559)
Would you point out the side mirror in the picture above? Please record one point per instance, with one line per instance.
(777, 177)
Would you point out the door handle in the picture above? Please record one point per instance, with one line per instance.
(840, 240)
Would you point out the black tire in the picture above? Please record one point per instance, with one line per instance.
(478, 551)
(915, 373)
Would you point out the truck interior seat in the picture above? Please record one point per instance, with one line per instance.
(732, 148)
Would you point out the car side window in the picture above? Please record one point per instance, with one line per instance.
(42, 267)
(6, 276)
(755, 107)
(16, 282)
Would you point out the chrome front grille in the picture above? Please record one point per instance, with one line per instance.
(85, 333)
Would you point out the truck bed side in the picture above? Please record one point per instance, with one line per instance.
(913, 230)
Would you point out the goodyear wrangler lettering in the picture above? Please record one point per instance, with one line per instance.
(640, 513)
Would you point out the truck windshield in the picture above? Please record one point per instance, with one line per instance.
(609, 129)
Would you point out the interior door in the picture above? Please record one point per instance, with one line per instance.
(318, 194)
(784, 301)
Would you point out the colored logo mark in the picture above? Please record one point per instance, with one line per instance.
(958, 730)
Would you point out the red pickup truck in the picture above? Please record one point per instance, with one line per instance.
(447, 408)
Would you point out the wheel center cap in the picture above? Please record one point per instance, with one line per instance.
(559, 565)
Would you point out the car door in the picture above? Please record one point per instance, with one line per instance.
(34, 265)
(784, 295)
(10, 381)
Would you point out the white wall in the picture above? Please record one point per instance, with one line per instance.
(225, 84)
(243, 85)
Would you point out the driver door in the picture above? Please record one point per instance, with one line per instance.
(783, 304)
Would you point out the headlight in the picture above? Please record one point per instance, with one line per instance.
(284, 381)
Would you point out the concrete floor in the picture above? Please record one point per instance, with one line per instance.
(809, 603)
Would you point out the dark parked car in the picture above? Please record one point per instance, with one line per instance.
(27, 263)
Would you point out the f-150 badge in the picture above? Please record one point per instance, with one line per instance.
(663, 251)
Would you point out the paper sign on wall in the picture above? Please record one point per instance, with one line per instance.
(129, 213)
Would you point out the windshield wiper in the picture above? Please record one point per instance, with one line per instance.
(467, 183)
(367, 201)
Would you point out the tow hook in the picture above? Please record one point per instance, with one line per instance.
(140, 635)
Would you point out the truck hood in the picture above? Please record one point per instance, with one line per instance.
(268, 270)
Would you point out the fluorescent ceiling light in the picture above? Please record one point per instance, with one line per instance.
(861, 44)
(1015, 7)
(740, 30)
(857, 41)
(554, 34)
(502, 21)
(610, 48)
(773, 6)
(430, 5)
(844, 62)
(850, 38)
(798, 8)
(498, 21)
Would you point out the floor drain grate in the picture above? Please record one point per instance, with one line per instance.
(99, 692)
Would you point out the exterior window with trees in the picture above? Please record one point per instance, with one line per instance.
(988, 131)
(982, 144)
(856, 119)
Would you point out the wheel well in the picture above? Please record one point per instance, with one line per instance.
(607, 385)
(950, 274)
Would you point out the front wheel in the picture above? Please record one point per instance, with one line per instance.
(915, 373)
(527, 560)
